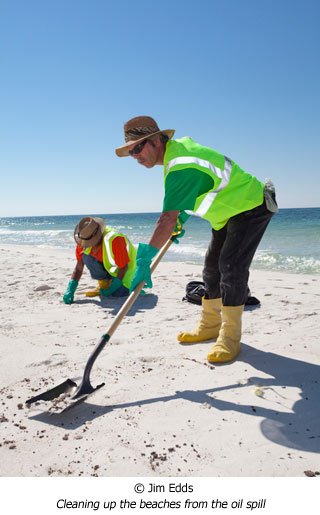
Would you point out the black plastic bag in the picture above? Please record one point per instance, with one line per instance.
(195, 290)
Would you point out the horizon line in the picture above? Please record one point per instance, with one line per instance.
(126, 213)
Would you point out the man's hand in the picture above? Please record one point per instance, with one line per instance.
(178, 231)
(142, 272)
(164, 228)
(115, 285)
(68, 297)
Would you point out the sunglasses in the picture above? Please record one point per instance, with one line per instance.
(138, 148)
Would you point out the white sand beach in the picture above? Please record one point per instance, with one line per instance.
(164, 411)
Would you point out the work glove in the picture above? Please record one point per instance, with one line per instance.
(115, 285)
(142, 272)
(178, 231)
(70, 291)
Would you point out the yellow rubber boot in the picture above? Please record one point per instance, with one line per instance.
(103, 284)
(227, 345)
(209, 324)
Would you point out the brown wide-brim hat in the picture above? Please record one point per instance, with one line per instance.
(138, 129)
(89, 231)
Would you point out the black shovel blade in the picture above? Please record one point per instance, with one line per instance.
(66, 387)
(65, 396)
(78, 398)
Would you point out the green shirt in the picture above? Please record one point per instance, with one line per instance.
(182, 188)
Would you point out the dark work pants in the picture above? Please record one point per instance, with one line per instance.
(98, 272)
(229, 255)
(95, 267)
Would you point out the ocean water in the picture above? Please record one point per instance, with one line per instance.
(290, 244)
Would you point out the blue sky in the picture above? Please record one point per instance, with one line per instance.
(241, 76)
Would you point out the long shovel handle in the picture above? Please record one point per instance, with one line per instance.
(123, 311)
(133, 296)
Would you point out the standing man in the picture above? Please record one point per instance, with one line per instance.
(109, 256)
(235, 203)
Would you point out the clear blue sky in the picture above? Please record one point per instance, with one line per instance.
(241, 76)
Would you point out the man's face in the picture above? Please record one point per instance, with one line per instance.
(147, 152)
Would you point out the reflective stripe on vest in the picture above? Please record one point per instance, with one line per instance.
(224, 175)
(209, 198)
(107, 238)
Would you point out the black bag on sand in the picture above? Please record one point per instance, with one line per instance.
(195, 291)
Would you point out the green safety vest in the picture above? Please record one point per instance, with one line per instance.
(109, 263)
(234, 190)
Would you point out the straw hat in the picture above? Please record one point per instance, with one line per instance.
(89, 231)
(138, 129)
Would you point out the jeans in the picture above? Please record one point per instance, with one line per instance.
(95, 267)
(230, 253)
(98, 272)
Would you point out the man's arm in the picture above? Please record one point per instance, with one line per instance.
(121, 272)
(165, 225)
(146, 252)
(68, 296)
(121, 256)
(77, 272)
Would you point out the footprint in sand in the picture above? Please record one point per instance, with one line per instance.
(44, 287)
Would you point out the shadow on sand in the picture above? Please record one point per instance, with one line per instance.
(113, 304)
(297, 427)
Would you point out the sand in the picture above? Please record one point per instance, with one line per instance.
(164, 411)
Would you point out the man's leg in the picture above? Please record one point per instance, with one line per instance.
(95, 267)
(244, 233)
(98, 272)
(211, 271)
(121, 292)
(209, 324)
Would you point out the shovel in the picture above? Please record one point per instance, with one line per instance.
(68, 394)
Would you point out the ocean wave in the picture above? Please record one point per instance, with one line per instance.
(11, 223)
(291, 243)
(36, 233)
(280, 262)
(43, 223)
(263, 260)
(188, 250)
(49, 238)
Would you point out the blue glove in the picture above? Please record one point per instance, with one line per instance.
(115, 285)
(70, 291)
(142, 272)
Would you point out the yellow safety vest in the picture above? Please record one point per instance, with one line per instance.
(109, 263)
(234, 190)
